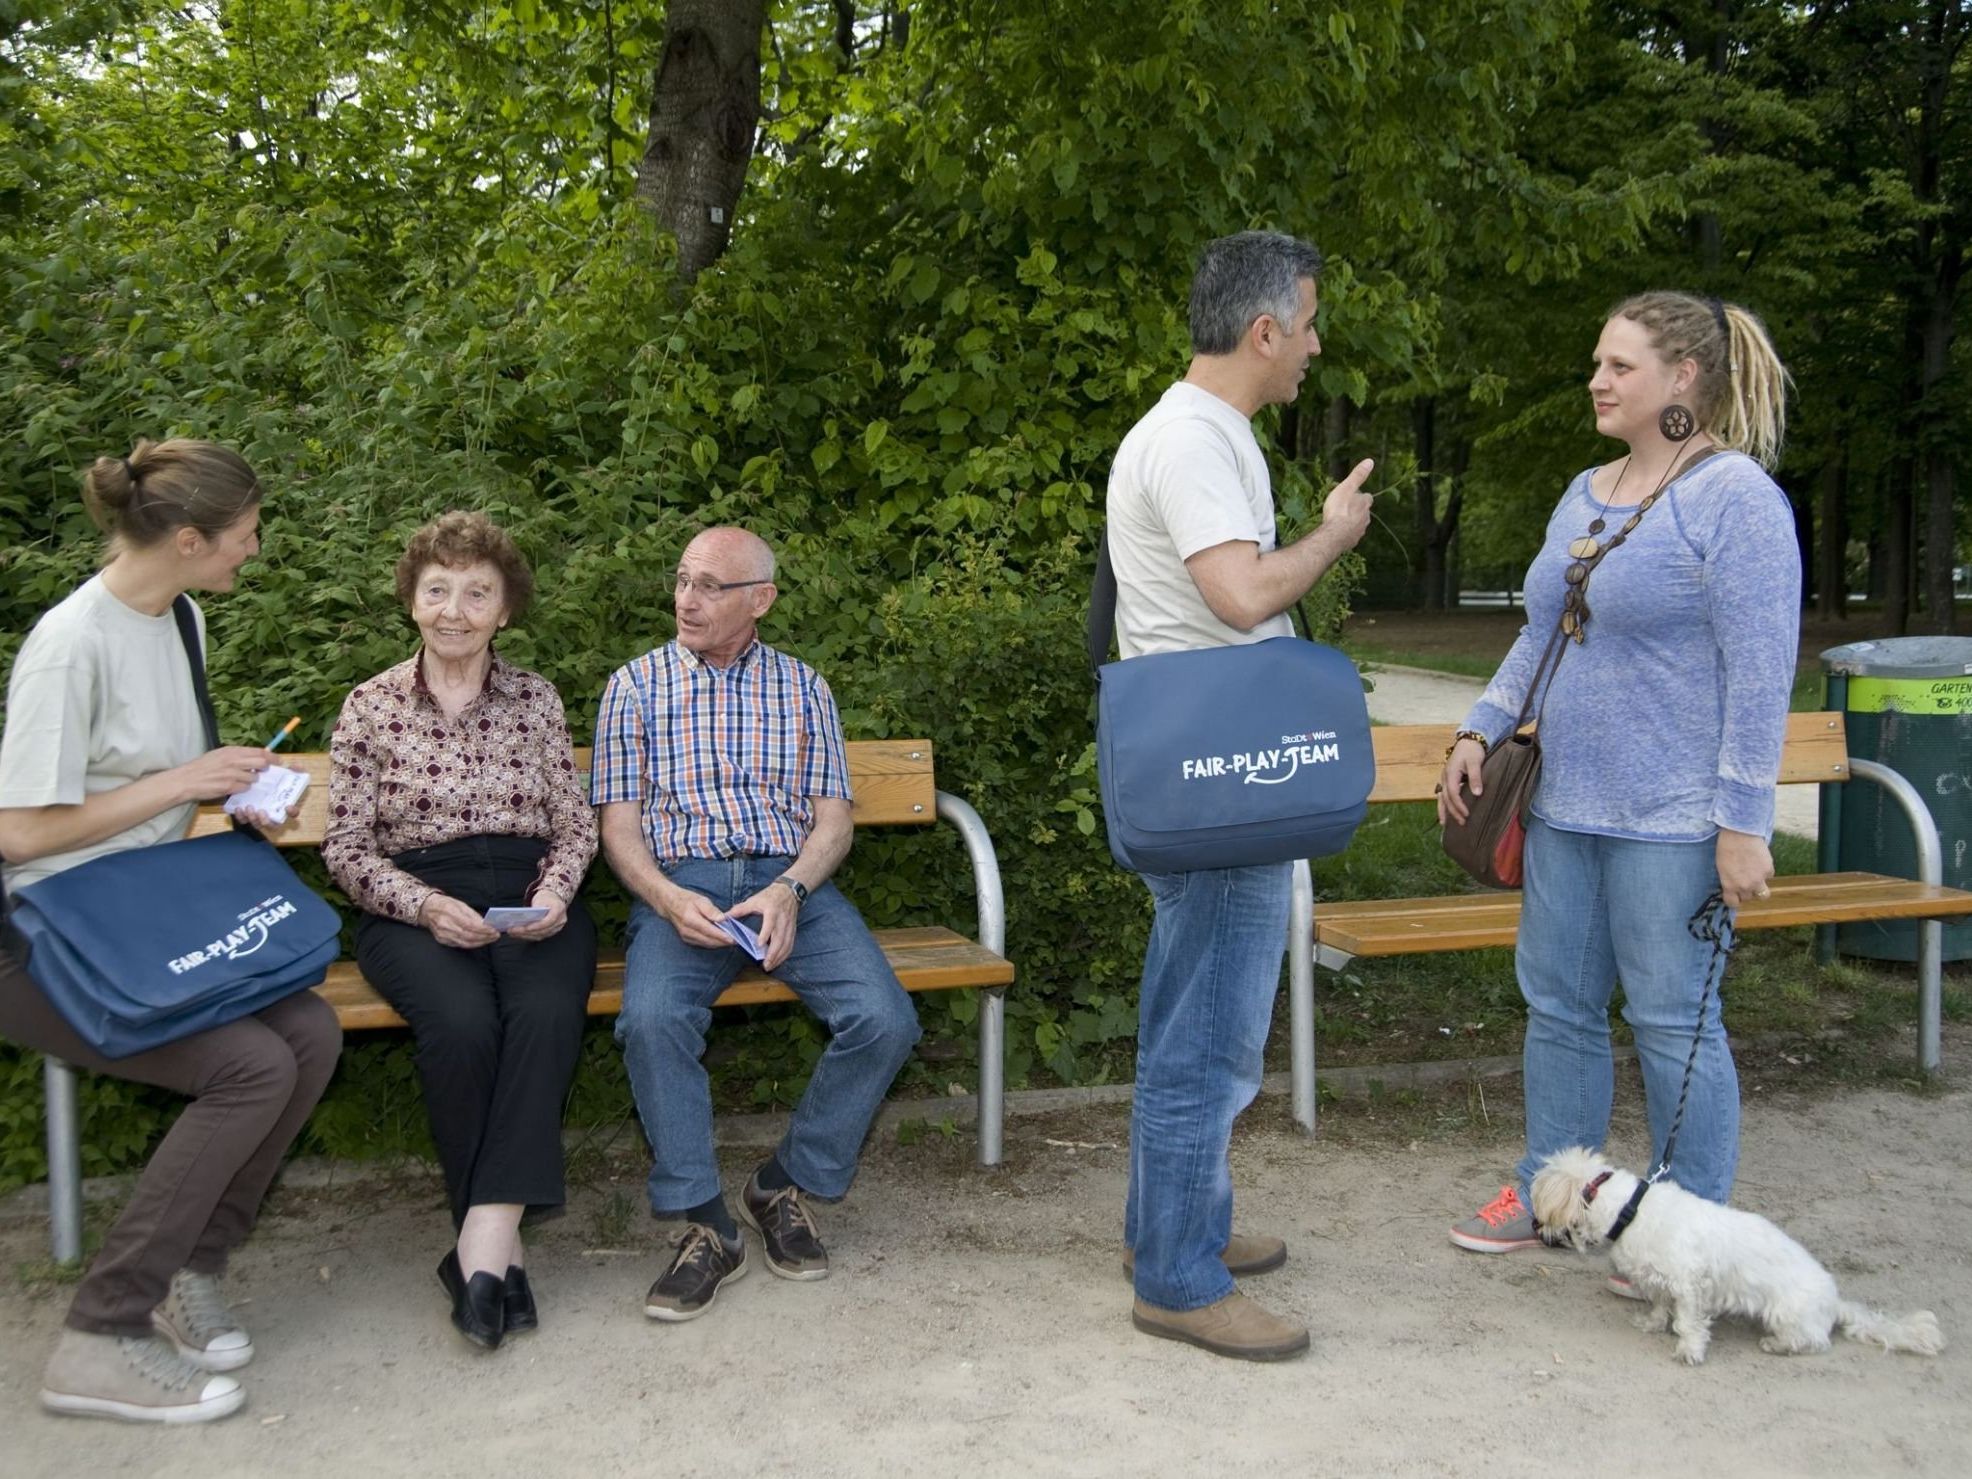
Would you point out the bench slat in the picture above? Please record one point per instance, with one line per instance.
(1410, 757)
(892, 781)
(925, 958)
(1383, 927)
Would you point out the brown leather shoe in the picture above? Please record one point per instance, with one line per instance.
(1244, 1256)
(1235, 1326)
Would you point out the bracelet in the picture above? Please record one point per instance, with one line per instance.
(1466, 734)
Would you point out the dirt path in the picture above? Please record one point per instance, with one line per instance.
(977, 1324)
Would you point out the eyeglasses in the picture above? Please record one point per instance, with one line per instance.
(712, 590)
(1587, 553)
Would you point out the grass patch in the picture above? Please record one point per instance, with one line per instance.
(1461, 664)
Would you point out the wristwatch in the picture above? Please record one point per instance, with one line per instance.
(796, 887)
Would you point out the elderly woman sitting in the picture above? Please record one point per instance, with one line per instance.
(453, 792)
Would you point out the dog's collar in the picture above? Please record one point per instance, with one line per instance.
(1623, 1218)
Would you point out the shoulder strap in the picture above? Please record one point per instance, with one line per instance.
(1102, 608)
(188, 633)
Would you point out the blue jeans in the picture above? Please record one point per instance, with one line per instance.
(839, 972)
(1601, 909)
(1209, 979)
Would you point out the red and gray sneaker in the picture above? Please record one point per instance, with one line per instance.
(1503, 1225)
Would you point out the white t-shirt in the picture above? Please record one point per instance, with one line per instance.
(1188, 476)
(101, 695)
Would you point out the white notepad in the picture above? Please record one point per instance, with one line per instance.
(273, 791)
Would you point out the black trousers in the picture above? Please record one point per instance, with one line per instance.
(498, 1029)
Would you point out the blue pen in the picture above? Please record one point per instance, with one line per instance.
(286, 729)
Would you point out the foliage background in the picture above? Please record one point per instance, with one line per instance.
(391, 251)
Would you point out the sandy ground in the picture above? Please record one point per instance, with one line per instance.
(977, 1323)
(1416, 696)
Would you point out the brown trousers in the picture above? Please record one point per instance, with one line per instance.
(252, 1083)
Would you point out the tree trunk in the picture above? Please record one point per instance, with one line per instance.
(704, 110)
(1432, 584)
(1832, 577)
(1427, 583)
(1941, 258)
(1803, 509)
(1335, 438)
(1897, 547)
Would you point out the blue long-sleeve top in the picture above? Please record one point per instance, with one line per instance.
(1666, 724)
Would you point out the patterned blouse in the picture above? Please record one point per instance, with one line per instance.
(403, 776)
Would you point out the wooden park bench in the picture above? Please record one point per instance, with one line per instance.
(893, 785)
(1409, 760)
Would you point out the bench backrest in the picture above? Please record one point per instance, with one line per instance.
(1410, 757)
(892, 781)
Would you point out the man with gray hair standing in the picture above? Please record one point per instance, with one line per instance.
(1192, 539)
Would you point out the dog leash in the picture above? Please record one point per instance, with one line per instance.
(1711, 922)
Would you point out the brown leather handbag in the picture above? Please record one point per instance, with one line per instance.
(1489, 843)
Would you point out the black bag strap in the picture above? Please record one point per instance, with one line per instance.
(1102, 608)
(188, 633)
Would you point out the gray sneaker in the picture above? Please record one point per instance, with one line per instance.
(1503, 1225)
(195, 1319)
(133, 1380)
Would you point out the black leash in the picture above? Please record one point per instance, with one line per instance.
(1711, 922)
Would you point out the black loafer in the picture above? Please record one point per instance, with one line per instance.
(521, 1315)
(479, 1305)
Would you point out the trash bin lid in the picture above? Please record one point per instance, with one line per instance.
(1903, 657)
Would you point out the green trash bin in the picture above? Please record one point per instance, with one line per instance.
(1907, 704)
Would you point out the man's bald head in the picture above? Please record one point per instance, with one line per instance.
(726, 577)
(740, 549)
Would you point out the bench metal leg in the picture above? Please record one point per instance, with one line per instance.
(64, 1161)
(992, 1074)
(1301, 992)
(1931, 932)
(992, 906)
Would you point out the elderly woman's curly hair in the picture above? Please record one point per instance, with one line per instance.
(459, 539)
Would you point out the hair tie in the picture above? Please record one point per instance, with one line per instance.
(1717, 306)
(128, 471)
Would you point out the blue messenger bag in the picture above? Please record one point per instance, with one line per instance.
(1225, 757)
(140, 948)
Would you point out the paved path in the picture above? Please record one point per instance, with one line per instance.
(1417, 696)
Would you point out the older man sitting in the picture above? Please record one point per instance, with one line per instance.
(723, 789)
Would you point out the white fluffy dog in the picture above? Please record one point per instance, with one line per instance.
(1695, 1260)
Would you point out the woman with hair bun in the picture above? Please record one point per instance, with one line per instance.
(105, 749)
(1661, 735)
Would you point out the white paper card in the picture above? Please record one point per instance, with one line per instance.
(273, 791)
(504, 918)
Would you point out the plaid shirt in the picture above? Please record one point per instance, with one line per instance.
(723, 760)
